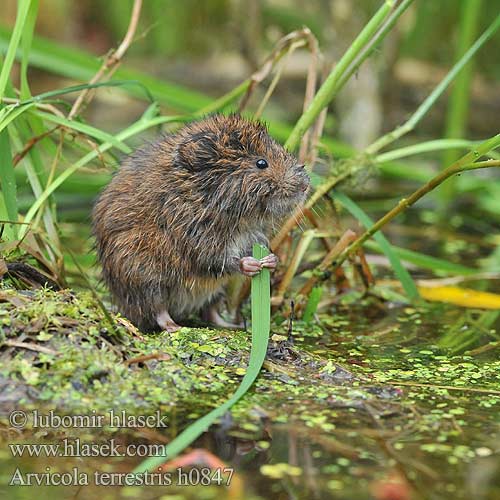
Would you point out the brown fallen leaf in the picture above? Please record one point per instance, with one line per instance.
(15, 299)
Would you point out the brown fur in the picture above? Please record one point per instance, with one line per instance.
(180, 213)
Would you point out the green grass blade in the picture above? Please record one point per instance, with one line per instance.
(89, 130)
(22, 12)
(37, 174)
(312, 303)
(11, 113)
(80, 65)
(14, 111)
(134, 129)
(86, 86)
(459, 101)
(427, 104)
(399, 8)
(439, 266)
(331, 85)
(8, 210)
(261, 320)
(401, 273)
(427, 147)
(26, 40)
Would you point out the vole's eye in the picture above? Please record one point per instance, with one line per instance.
(261, 163)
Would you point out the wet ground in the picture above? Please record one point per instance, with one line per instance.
(371, 402)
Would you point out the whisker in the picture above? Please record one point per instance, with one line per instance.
(316, 212)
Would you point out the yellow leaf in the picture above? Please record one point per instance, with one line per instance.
(465, 297)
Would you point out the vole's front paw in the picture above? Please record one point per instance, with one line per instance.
(249, 266)
(270, 261)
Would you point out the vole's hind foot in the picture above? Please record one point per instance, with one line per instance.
(211, 315)
(165, 322)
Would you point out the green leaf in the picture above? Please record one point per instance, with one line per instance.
(8, 183)
(134, 129)
(425, 261)
(80, 65)
(261, 320)
(22, 12)
(87, 86)
(34, 167)
(401, 273)
(86, 129)
(26, 40)
(312, 303)
(10, 113)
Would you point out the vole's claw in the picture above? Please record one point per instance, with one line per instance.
(249, 266)
(270, 261)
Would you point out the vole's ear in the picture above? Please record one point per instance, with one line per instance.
(198, 152)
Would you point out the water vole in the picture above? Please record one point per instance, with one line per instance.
(182, 214)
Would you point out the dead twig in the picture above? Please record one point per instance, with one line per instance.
(312, 77)
(112, 60)
(348, 237)
(27, 147)
(161, 356)
(285, 45)
(29, 346)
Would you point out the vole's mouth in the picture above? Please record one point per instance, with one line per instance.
(282, 207)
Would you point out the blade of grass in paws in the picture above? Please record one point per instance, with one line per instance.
(261, 319)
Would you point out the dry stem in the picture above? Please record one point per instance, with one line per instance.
(329, 258)
(112, 61)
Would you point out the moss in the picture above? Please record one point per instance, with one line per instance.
(81, 363)
(357, 374)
